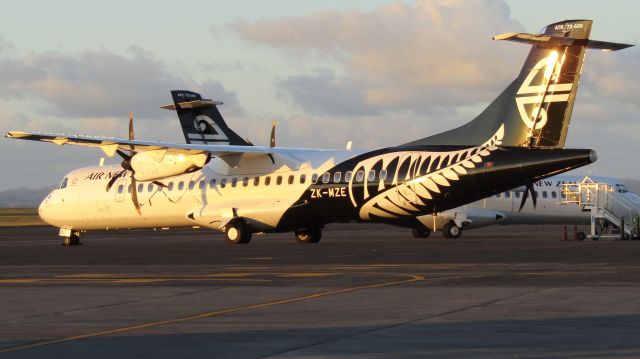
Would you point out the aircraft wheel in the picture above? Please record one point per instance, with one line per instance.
(237, 232)
(72, 240)
(420, 232)
(67, 241)
(581, 236)
(451, 230)
(309, 235)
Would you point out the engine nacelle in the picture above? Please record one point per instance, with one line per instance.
(158, 164)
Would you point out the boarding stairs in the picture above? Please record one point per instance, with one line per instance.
(607, 206)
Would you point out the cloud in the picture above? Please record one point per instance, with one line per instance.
(431, 54)
(100, 83)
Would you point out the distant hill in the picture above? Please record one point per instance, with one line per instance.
(23, 197)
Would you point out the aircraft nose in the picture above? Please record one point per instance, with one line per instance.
(44, 208)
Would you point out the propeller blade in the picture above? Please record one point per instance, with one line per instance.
(273, 135)
(160, 184)
(134, 195)
(125, 156)
(131, 134)
(524, 198)
(534, 198)
(114, 179)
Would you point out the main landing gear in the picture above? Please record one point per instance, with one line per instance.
(420, 232)
(451, 230)
(309, 235)
(237, 231)
(72, 238)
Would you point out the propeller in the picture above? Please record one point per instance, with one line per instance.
(126, 166)
(534, 199)
(272, 143)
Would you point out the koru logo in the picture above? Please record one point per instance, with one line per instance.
(209, 129)
(541, 87)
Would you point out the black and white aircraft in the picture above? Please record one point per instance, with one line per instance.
(218, 180)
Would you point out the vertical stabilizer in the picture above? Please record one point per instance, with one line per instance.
(201, 121)
(536, 107)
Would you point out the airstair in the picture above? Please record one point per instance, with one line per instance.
(607, 206)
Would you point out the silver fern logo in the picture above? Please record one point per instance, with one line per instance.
(417, 175)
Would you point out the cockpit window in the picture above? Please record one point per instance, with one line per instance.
(64, 183)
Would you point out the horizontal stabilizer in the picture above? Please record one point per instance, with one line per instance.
(192, 104)
(546, 41)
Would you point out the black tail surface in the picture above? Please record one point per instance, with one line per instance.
(201, 121)
(535, 109)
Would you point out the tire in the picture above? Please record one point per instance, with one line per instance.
(581, 236)
(420, 232)
(237, 232)
(451, 230)
(309, 235)
(67, 241)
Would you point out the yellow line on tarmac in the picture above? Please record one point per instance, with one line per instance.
(413, 278)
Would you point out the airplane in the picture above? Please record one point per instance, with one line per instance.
(503, 208)
(220, 181)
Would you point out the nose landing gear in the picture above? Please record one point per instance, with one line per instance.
(70, 238)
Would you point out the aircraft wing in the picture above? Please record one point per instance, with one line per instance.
(109, 145)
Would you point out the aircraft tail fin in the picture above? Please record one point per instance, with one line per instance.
(201, 121)
(536, 107)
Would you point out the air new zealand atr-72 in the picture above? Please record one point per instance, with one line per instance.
(218, 180)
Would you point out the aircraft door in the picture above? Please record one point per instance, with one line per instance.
(121, 190)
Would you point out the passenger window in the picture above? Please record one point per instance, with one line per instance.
(120, 188)
(498, 195)
(191, 185)
(150, 187)
(170, 187)
(279, 180)
(372, 175)
(544, 194)
(314, 178)
(336, 177)
(291, 179)
(64, 183)
(303, 178)
(234, 182)
(256, 181)
(326, 177)
(267, 180)
(212, 183)
(140, 188)
(223, 183)
(201, 185)
(383, 175)
(554, 194)
(535, 193)
(180, 185)
(517, 194)
(507, 195)
(347, 176)
(359, 176)
(245, 182)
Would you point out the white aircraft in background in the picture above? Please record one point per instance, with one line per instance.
(220, 181)
(510, 207)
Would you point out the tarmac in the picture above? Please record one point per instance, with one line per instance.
(364, 291)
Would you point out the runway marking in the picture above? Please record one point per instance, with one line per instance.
(126, 280)
(295, 275)
(90, 275)
(412, 278)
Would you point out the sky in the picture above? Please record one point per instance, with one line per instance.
(378, 73)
